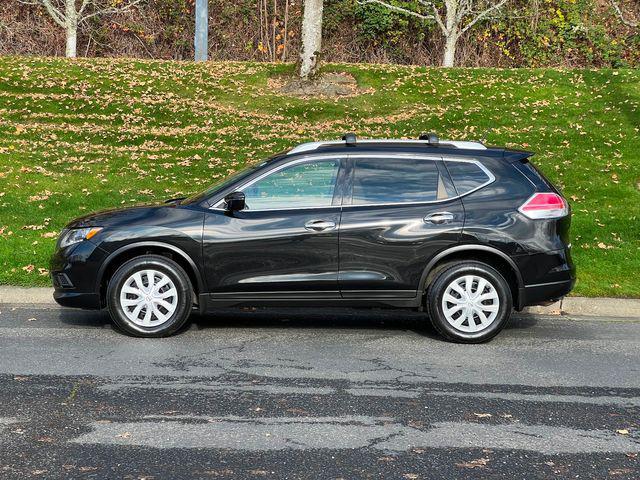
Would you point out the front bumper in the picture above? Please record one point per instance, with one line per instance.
(74, 273)
(88, 301)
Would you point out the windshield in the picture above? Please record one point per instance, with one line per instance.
(221, 184)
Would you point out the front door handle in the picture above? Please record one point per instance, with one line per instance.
(439, 218)
(319, 225)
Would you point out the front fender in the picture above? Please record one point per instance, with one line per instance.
(151, 245)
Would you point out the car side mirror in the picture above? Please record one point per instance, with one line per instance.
(235, 202)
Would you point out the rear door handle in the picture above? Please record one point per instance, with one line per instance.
(319, 225)
(439, 218)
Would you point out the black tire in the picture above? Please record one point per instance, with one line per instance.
(161, 264)
(444, 278)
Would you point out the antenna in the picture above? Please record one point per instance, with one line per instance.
(486, 133)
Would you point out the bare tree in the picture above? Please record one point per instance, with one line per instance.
(457, 18)
(623, 19)
(311, 38)
(71, 14)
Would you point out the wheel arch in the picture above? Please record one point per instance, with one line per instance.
(490, 255)
(127, 252)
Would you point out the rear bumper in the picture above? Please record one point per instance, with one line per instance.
(547, 277)
(544, 292)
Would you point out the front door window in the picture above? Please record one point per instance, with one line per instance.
(309, 184)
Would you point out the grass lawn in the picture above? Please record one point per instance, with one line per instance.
(78, 136)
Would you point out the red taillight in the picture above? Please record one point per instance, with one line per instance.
(544, 205)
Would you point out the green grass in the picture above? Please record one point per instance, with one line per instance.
(77, 136)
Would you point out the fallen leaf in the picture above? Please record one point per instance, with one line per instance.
(477, 463)
(88, 469)
(620, 471)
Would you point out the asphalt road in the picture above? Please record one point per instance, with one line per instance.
(291, 394)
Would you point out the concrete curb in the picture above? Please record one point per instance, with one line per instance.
(591, 307)
(32, 296)
(581, 306)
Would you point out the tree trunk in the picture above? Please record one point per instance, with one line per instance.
(450, 46)
(311, 38)
(71, 19)
(202, 31)
(72, 41)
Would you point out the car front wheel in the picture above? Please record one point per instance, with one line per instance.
(469, 302)
(149, 296)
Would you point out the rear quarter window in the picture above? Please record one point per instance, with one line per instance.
(467, 176)
(535, 176)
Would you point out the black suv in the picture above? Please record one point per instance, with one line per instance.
(465, 232)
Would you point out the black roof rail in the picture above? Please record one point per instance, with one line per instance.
(431, 138)
(349, 138)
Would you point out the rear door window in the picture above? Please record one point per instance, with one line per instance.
(467, 176)
(379, 181)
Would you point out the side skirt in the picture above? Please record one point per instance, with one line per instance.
(304, 299)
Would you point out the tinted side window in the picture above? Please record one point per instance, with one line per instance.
(396, 180)
(308, 184)
(466, 176)
(534, 175)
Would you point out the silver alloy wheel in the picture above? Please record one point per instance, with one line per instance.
(149, 298)
(470, 303)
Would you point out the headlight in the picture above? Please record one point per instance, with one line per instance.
(76, 235)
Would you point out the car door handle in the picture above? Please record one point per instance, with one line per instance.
(319, 225)
(439, 218)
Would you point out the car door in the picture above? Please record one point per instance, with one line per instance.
(400, 211)
(285, 242)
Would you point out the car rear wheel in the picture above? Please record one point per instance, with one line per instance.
(150, 296)
(469, 302)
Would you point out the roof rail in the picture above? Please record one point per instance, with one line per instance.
(350, 139)
(431, 138)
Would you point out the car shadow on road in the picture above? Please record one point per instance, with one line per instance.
(295, 318)
(330, 318)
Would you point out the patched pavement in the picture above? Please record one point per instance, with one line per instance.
(299, 394)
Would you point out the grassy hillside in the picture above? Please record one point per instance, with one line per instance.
(85, 135)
